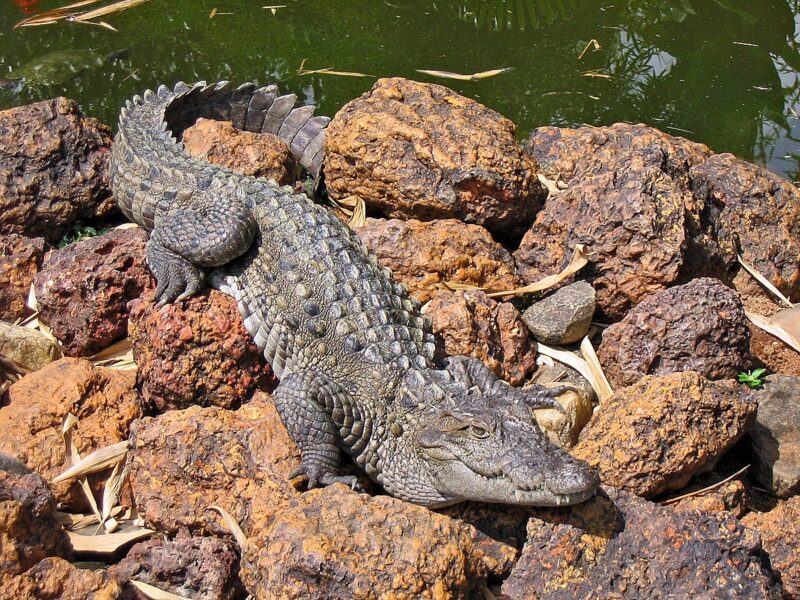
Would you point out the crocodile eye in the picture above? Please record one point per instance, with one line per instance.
(479, 432)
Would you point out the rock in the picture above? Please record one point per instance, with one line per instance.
(779, 530)
(619, 546)
(629, 202)
(195, 352)
(562, 317)
(104, 400)
(775, 436)
(756, 214)
(505, 523)
(657, 434)
(27, 347)
(472, 324)
(730, 497)
(29, 530)
(424, 255)
(56, 579)
(184, 461)
(20, 259)
(699, 326)
(83, 290)
(418, 150)
(254, 154)
(202, 568)
(563, 428)
(335, 543)
(53, 169)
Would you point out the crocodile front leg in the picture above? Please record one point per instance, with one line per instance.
(199, 230)
(303, 400)
(471, 372)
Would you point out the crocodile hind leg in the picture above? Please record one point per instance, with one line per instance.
(198, 231)
(302, 400)
(471, 372)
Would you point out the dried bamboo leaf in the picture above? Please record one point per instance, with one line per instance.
(331, 71)
(463, 77)
(576, 362)
(604, 389)
(359, 214)
(52, 16)
(596, 73)
(31, 301)
(577, 262)
(113, 351)
(764, 281)
(106, 544)
(232, 524)
(127, 226)
(112, 489)
(99, 460)
(775, 329)
(70, 421)
(79, 521)
(155, 593)
(110, 9)
(102, 24)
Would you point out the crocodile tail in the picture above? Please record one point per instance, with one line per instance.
(255, 109)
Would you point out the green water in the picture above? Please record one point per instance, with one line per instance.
(722, 72)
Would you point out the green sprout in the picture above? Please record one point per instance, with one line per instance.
(752, 379)
(80, 232)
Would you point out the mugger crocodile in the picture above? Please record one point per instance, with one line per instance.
(354, 355)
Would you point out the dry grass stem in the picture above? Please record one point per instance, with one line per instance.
(765, 282)
(461, 77)
(707, 489)
(328, 71)
(232, 524)
(589, 44)
(603, 387)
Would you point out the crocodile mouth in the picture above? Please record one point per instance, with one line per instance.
(540, 495)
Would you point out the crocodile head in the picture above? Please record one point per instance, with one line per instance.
(476, 448)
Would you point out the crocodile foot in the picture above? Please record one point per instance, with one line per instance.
(176, 277)
(319, 478)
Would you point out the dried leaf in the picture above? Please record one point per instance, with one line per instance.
(776, 329)
(99, 460)
(155, 593)
(213, 13)
(110, 9)
(359, 214)
(232, 524)
(106, 544)
(589, 44)
(70, 421)
(52, 16)
(112, 489)
(597, 74)
(461, 77)
(579, 364)
(764, 281)
(603, 388)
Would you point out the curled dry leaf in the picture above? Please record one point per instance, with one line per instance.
(603, 390)
(232, 524)
(600, 381)
(99, 460)
(462, 77)
(106, 544)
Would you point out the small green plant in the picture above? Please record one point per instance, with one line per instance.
(752, 379)
(80, 232)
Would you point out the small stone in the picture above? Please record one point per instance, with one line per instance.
(472, 324)
(419, 150)
(699, 326)
(195, 352)
(83, 290)
(562, 317)
(425, 255)
(619, 546)
(367, 547)
(657, 434)
(254, 154)
(53, 169)
(104, 400)
(20, 260)
(775, 437)
(27, 347)
(780, 530)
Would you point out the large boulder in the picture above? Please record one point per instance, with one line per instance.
(699, 326)
(53, 169)
(83, 290)
(425, 255)
(194, 352)
(56, 579)
(20, 259)
(619, 546)
(657, 434)
(419, 150)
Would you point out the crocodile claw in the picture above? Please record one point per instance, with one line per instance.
(539, 396)
(318, 478)
(176, 278)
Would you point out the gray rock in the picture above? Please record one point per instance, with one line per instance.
(562, 317)
(775, 437)
(28, 348)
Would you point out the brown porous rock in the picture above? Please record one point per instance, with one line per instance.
(336, 543)
(699, 326)
(195, 352)
(619, 546)
(628, 200)
(201, 568)
(20, 259)
(753, 213)
(53, 169)
(657, 434)
(253, 154)
(424, 255)
(472, 324)
(780, 530)
(83, 290)
(729, 497)
(419, 150)
(104, 401)
(29, 530)
(184, 461)
(56, 579)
